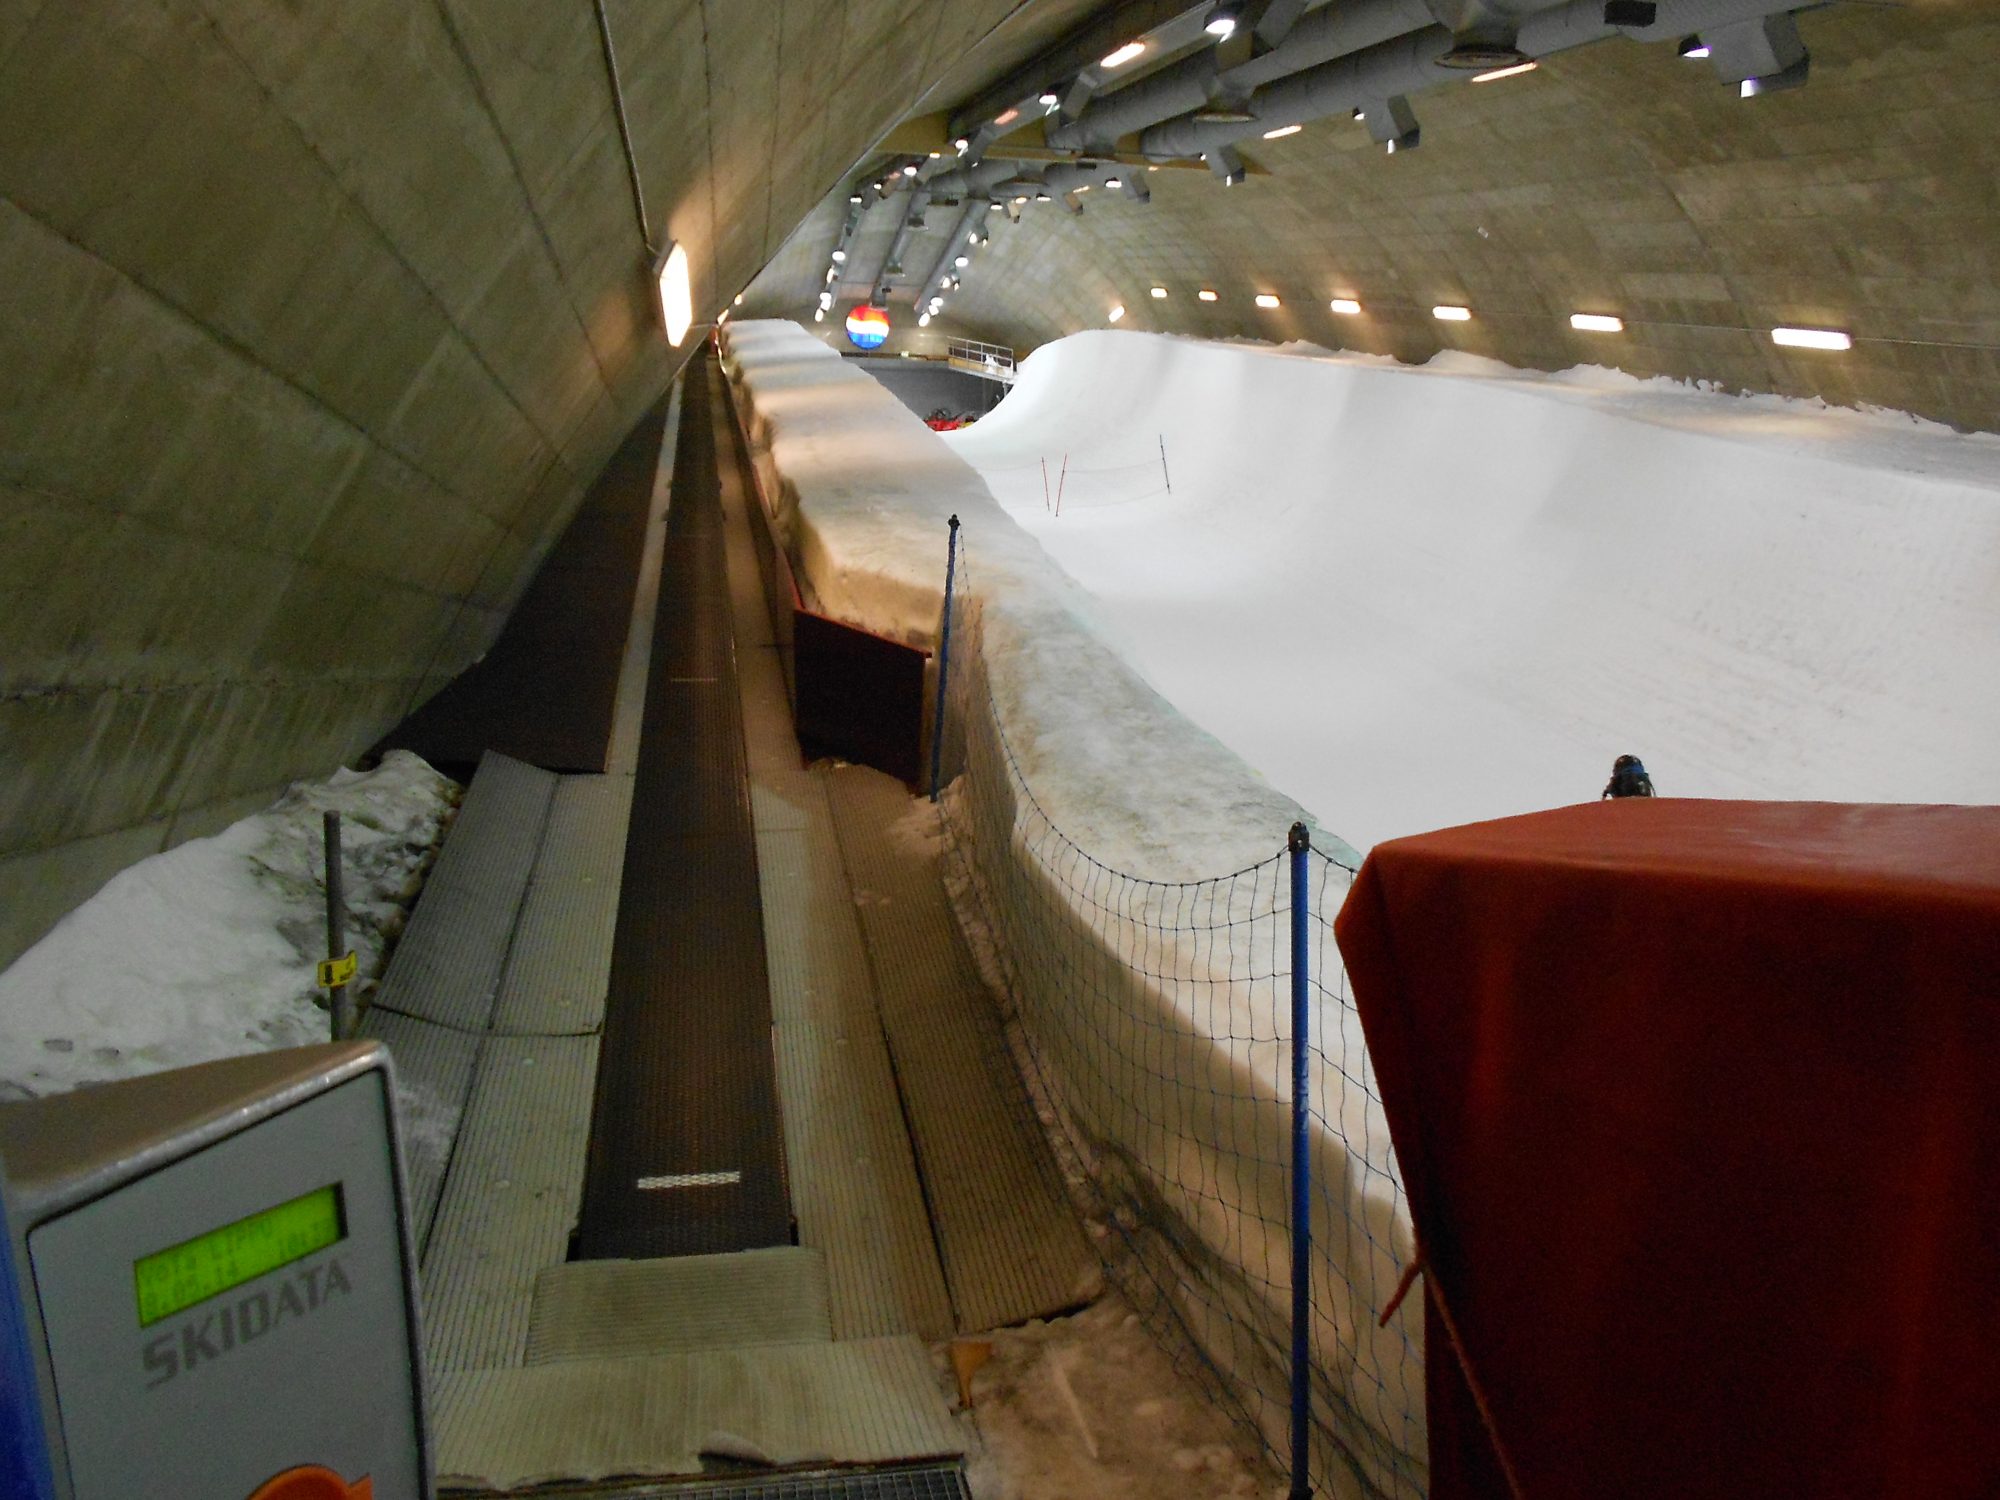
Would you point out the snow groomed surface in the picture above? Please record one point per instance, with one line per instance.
(1420, 597)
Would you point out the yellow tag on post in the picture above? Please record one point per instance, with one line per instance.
(335, 972)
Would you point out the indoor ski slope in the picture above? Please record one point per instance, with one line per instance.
(1419, 597)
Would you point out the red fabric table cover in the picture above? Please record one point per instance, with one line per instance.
(1698, 1108)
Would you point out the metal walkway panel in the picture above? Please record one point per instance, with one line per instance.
(870, 1401)
(854, 1182)
(561, 960)
(447, 966)
(434, 1067)
(511, 1199)
(1010, 1241)
(608, 1309)
(818, 964)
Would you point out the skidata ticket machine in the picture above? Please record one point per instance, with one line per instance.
(210, 1295)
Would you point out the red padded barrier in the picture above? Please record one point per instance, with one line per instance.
(1698, 1107)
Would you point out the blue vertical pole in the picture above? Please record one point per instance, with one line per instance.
(944, 659)
(1300, 844)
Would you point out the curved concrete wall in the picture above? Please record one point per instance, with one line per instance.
(317, 321)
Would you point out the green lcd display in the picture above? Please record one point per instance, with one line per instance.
(211, 1264)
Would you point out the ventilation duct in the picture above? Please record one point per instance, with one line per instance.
(1411, 63)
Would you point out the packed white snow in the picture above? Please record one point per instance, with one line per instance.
(1419, 597)
(209, 949)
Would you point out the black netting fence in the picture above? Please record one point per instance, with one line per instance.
(1154, 1022)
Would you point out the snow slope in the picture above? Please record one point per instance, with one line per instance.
(1419, 597)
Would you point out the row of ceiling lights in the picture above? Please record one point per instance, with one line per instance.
(1799, 338)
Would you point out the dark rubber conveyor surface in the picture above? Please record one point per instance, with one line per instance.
(686, 1154)
(545, 691)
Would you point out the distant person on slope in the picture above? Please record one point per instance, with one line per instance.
(1628, 779)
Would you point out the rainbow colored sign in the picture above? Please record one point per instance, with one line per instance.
(867, 327)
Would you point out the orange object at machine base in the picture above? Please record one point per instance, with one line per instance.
(314, 1482)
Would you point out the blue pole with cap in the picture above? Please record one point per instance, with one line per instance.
(1299, 844)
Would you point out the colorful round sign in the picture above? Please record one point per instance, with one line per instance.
(867, 327)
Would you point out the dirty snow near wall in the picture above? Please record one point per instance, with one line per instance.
(1167, 1060)
(1420, 597)
(208, 950)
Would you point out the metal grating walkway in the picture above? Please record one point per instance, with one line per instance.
(868, 1401)
(1010, 1242)
(904, 1482)
(687, 1153)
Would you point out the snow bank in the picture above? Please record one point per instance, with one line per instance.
(1421, 597)
(208, 950)
(1161, 1037)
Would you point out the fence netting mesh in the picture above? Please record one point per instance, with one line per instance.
(1152, 1020)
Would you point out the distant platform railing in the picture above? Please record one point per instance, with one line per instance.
(992, 361)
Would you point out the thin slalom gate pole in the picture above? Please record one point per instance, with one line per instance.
(1045, 484)
(944, 659)
(1061, 480)
(1299, 844)
(1163, 464)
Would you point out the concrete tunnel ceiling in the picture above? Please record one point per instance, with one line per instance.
(320, 319)
(1617, 178)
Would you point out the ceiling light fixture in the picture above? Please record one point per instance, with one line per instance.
(739, 300)
(910, 170)
(994, 208)
(853, 197)
(1050, 99)
(1223, 19)
(1266, 299)
(1117, 311)
(1693, 46)
(1159, 294)
(1513, 72)
(961, 145)
(923, 320)
(839, 256)
(1206, 295)
(1114, 182)
(1346, 306)
(1449, 314)
(1282, 131)
(1007, 117)
(963, 261)
(1123, 55)
(1811, 338)
(1596, 323)
(819, 315)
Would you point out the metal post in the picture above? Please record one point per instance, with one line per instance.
(336, 927)
(1300, 845)
(944, 660)
(1061, 480)
(1163, 464)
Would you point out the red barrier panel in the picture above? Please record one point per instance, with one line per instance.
(1698, 1107)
